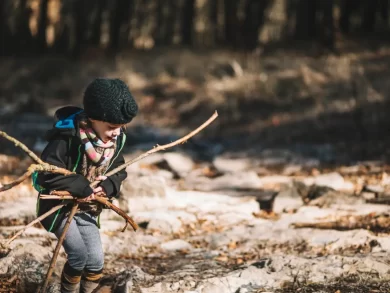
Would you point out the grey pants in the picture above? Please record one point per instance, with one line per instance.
(82, 243)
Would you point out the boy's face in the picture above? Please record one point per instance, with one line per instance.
(106, 131)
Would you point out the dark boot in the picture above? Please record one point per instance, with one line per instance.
(70, 279)
(90, 281)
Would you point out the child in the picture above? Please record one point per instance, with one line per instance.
(89, 142)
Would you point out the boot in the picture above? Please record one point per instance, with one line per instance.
(70, 279)
(90, 281)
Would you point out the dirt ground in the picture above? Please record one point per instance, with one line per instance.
(331, 107)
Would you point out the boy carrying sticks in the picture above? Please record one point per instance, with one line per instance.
(88, 142)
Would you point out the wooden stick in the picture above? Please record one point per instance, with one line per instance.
(59, 243)
(372, 222)
(15, 182)
(160, 147)
(52, 196)
(99, 199)
(128, 220)
(35, 167)
(23, 147)
(35, 221)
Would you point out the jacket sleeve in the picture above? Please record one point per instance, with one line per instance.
(55, 153)
(113, 183)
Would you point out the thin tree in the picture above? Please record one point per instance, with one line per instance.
(42, 23)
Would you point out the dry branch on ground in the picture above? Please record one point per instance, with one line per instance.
(372, 222)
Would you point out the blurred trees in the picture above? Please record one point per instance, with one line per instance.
(71, 26)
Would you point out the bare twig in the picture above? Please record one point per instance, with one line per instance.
(161, 147)
(35, 167)
(4, 187)
(99, 199)
(54, 196)
(23, 147)
(129, 220)
(372, 222)
(35, 221)
(59, 243)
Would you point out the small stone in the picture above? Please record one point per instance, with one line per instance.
(228, 165)
(333, 180)
(179, 163)
(176, 245)
(165, 223)
(291, 169)
(373, 188)
(368, 195)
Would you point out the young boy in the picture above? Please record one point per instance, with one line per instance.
(89, 142)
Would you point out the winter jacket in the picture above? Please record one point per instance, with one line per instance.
(65, 150)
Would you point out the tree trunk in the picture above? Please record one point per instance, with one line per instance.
(214, 21)
(231, 22)
(327, 25)
(164, 30)
(254, 19)
(4, 31)
(42, 24)
(384, 9)
(370, 8)
(97, 22)
(79, 27)
(187, 22)
(305, 28)
(23, 34)
(118, 16)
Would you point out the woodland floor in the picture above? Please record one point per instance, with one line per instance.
(330, 111)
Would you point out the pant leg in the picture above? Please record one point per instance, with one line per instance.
(74, 245)
(90, 234)
(94, 266)
(77, 257)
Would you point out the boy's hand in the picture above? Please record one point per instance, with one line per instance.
(99, 188)
(89, 198)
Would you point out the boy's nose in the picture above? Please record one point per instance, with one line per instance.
(116, 132)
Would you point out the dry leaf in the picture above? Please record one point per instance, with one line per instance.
(209, 172)
(232, 245)
(266, 215)
(222, 258)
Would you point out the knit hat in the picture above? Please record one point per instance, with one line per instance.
(109, 100)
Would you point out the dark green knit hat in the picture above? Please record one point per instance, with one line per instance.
(109, 100)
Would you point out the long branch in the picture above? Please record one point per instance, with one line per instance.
(7, 186)
(160, 147)
(35, 167)
(129, 220)
(35, 221)
(23, 147)
(59, 243)
(61, 195)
